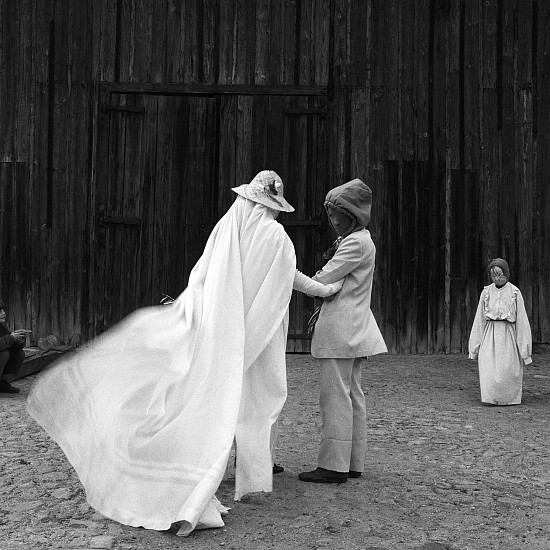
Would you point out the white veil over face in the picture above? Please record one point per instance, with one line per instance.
(147, 413)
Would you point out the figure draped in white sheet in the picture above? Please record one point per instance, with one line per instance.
(500, 338)
(148, 412)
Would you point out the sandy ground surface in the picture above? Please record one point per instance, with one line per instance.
(443, 472)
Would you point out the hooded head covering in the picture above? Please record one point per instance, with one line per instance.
(266, 188)
(354, 199)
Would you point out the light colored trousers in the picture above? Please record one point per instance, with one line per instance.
(343, 416)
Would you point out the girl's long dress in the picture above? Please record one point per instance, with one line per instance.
(148, 412)
(501, 341)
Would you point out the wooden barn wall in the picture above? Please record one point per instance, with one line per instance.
(440, 105)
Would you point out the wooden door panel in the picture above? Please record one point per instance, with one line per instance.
(155, 199)
(285, 134)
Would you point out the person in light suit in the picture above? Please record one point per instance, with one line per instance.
(345, 333)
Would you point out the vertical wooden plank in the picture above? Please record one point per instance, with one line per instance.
(227, 153)
(421, 82)
(438, 280)
(228, 43)
(276, 133)
(58, 290)
(8, 35)
(527, 204)
(472, 85)
(98, 250)
(489, 14)
(490, 140)
(526, 27)
(360, 94)
(23, 84)
(131, 209)
(162, 198)
(391, 295)
(114, 210)
(378, 180)
(147, 174)
(358, 39)
(129, 39)
(304, 32)
(440, 174)
(322, 24)
(140, 42)
(158, 71)
(246, 41)
(40, 231)
(406, 124)
(524, 153)
(423, 270)
(195, 211)
(262, 39)
(341, 46)
(6, 235)
(105, 37)
(393, 44)
(243, 138)
(454, 157)
(289, 55)
(175, 59)
(192, 36)
(260, 153)
(440, 45)
(541, 73)
(506, 86)
(359, 138)
(211, 40)
(179, 186)
(455, 98)
(406, 245)
(276, 30)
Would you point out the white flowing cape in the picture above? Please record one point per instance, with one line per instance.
(147, 413)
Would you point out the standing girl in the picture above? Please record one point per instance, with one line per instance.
(344, 334)
(500, 338)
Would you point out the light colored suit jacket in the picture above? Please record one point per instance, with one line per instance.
(346, 326)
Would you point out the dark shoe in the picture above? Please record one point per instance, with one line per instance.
(6, 387)
(277, 469)
(354, 474)
(320, 475)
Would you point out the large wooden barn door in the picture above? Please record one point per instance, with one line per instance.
(155, 199)
(285, 133)
(166, 165)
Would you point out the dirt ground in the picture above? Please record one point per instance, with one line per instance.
(443, 472)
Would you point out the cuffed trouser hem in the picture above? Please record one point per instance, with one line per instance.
(343, 416)
(334, 455)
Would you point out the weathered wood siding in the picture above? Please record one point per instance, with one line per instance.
(440, 105)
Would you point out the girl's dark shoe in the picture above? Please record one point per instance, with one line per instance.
(277, 469)
(6, 387)
(320, 475)
(354, 474)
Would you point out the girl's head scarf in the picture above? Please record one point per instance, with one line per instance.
(502, 264)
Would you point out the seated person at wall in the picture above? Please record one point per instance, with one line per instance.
(11, 351)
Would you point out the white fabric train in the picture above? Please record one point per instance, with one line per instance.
(147, 413)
